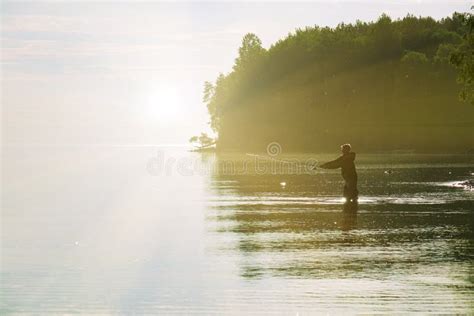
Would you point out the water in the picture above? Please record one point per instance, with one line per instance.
(119, 230)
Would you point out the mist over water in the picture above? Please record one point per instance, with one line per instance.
(96, 219)
(93, 230)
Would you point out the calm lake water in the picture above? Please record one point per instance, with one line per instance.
(121, 230)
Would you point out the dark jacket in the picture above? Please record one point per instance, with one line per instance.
(346, 163)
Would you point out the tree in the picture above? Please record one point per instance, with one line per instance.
(463, 60)
(414, 59)
(386, 38)
(216, 98)
(202, 141)
(249, 52)
(208, 92)
(443, 54)
(317, 78)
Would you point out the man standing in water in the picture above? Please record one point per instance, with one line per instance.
(348, 171)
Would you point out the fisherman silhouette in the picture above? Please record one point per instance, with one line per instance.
(348, 171)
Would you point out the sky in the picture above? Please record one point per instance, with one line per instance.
(132, 72)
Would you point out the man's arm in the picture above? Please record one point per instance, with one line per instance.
(332, 164)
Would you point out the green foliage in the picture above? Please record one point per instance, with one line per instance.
(414, 58)
(463, 59)
(375, 84)
(202, 141)
(249, 53)
(443, 54)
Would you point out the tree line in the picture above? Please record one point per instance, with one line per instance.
(383, 85)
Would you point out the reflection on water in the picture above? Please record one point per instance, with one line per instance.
(349, 216)
(90, 230)
(406, 246)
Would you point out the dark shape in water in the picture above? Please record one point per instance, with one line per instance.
(349, 215)
(348, 171)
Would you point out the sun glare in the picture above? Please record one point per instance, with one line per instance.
(163, 103)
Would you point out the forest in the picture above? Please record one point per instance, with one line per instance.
(387, 85)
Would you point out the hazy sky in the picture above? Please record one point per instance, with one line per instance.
(103, 72)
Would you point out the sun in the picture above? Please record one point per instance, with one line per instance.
(163, 103)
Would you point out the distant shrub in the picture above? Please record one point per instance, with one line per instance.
(414, 58)
(443, 54)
